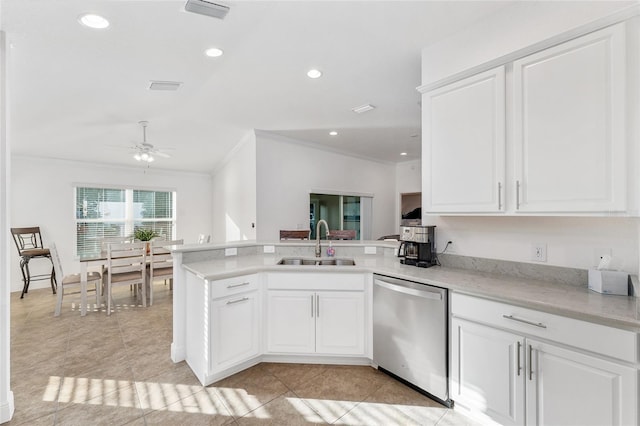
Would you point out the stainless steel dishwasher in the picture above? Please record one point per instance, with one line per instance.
(410, 333)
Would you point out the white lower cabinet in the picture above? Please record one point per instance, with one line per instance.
(235, 327)
(223, 329)
(311, 320)
(485, 375)
(506, 368)
(290, 321)
(566, 387)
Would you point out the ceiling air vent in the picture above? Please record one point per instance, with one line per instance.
(164, 85)
(363, 108)
(207, 8)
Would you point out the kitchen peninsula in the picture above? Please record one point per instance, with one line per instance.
(231, 303)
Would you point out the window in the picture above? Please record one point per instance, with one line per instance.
(114, 212)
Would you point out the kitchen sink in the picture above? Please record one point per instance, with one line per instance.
(316, 261)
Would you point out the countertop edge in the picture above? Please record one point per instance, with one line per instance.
(617, 322)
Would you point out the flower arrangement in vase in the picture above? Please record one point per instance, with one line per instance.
(143, 234)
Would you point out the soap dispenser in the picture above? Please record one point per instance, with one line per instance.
(330, 250)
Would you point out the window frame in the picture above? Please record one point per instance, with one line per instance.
(129, 219)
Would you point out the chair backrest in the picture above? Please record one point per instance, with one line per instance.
(57, 265)
(127, 257)
(297, 234)
(27, 238)
(160, 257)
(343, 234)
(203, 238)
(105, 241)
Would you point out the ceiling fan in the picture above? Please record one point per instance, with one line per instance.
(145, 151)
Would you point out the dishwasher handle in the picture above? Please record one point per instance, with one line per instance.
(426, 293)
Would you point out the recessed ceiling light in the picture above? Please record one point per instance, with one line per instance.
(214, 52)
(314, 73)
(363, 108)
(403, 153)
(333, 133)
(93, 21)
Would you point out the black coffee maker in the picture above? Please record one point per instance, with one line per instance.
(417, 246)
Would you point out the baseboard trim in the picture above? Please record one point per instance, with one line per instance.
(7, 408)
(178, 353)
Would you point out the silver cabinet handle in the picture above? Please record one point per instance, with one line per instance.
(499, 196)
(238, 285)
(318, 305)
(536, 324)
(517, 195)
(530, 362)
(518, 355)
(312, 306)
(231, 302)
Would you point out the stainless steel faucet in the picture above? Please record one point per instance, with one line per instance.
(318, 248)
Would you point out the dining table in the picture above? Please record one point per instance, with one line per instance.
(97, 259)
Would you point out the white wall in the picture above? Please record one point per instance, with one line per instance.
(289, 170)
(575, 242)
(408, 179)
(234, 194)
(510, 29)
(6, 396)
(42, 195)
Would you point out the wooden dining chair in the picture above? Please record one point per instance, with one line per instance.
(29, 244)
(105, 241)
(126, 265)
(296, 234)
(343, 234)
(160, 264)
(73, 280)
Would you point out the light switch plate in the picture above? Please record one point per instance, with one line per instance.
(269, 249)
(231, 251)
(370, 250)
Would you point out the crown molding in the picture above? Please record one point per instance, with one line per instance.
(598, 24)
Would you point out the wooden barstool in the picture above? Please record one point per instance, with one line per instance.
(29, 244)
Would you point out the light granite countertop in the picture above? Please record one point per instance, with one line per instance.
(557, 298)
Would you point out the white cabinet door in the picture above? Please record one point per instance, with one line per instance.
(291, 321)
(487, 371)
(463, 155)
(340, 322)
(569, 126)
(569, 388)
(235, 330)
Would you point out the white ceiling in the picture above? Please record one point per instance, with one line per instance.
(74, 92)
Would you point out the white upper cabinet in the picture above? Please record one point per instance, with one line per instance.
(545, 133)
(569, 126)
(464, 145)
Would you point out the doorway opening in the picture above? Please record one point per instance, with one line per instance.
(411, 209)
(341, 212)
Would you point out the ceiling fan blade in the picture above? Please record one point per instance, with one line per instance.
(161, 154)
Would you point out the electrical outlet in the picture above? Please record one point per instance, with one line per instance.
(450, 248)
(539, 252)
(231, 251)
(269, 249)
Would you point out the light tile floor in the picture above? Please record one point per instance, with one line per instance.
(117, 370)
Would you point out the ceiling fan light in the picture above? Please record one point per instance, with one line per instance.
(149, 159)
(144, 156)
(137, 157)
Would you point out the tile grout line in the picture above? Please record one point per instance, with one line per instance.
(128, 355)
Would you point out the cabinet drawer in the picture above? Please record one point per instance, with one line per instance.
(597, 338)
(234, 285)
(315, 281)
